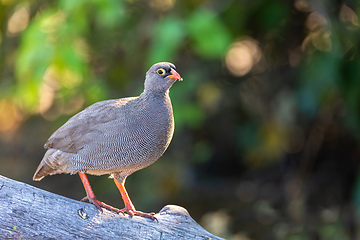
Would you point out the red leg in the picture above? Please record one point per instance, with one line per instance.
(91, 196)
(129, 207)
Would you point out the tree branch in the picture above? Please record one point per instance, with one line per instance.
(27, 212)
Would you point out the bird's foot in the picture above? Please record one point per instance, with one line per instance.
(100, 205)
(133, 212)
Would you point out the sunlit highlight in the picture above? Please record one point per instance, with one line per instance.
(51, 23)
(66, 77)
(47, 91)
(217, 222)
(347, 15)
(315, 20)
(162, 5)
(18, 21)
(10, 117)
(7, 2)
(54, 79)
(242, 56)
(319, 34)
(302, 5)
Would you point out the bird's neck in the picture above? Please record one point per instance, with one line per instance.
(155, 93)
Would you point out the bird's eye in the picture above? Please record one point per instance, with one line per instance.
(161, 71)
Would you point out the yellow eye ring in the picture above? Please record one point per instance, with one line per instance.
(161, 71)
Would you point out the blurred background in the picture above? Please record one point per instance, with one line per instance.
(266, 143)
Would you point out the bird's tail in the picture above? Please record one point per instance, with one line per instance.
(54, 162)
(43, 170)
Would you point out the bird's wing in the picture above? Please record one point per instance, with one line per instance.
(74, 134)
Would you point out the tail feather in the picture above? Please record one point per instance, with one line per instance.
(54, 162)
(43, 170)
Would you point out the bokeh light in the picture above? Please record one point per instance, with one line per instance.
(18, 21)
(302, 5)
(242, 56)
(348, 15)
(10, 117)
(162, 5)
(319, 33)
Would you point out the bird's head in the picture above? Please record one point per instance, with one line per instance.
(161, 76)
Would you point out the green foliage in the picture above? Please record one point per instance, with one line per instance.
(167, 36)
(273, 14)
(54, 51)
(187, 113)
(209, 35)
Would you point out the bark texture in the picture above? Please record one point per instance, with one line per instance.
(27, 212)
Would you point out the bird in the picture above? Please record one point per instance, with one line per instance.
(116, 137)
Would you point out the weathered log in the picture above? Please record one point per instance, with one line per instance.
(27, 212)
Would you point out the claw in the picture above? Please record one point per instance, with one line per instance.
(146, 215)
(100, 205)
(84, 199)
(139, 213)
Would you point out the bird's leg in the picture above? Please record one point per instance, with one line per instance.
(90, 196)
(129, 207)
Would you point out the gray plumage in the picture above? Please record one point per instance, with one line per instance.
(115, 136)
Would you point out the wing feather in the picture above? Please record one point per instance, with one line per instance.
(75, 133)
